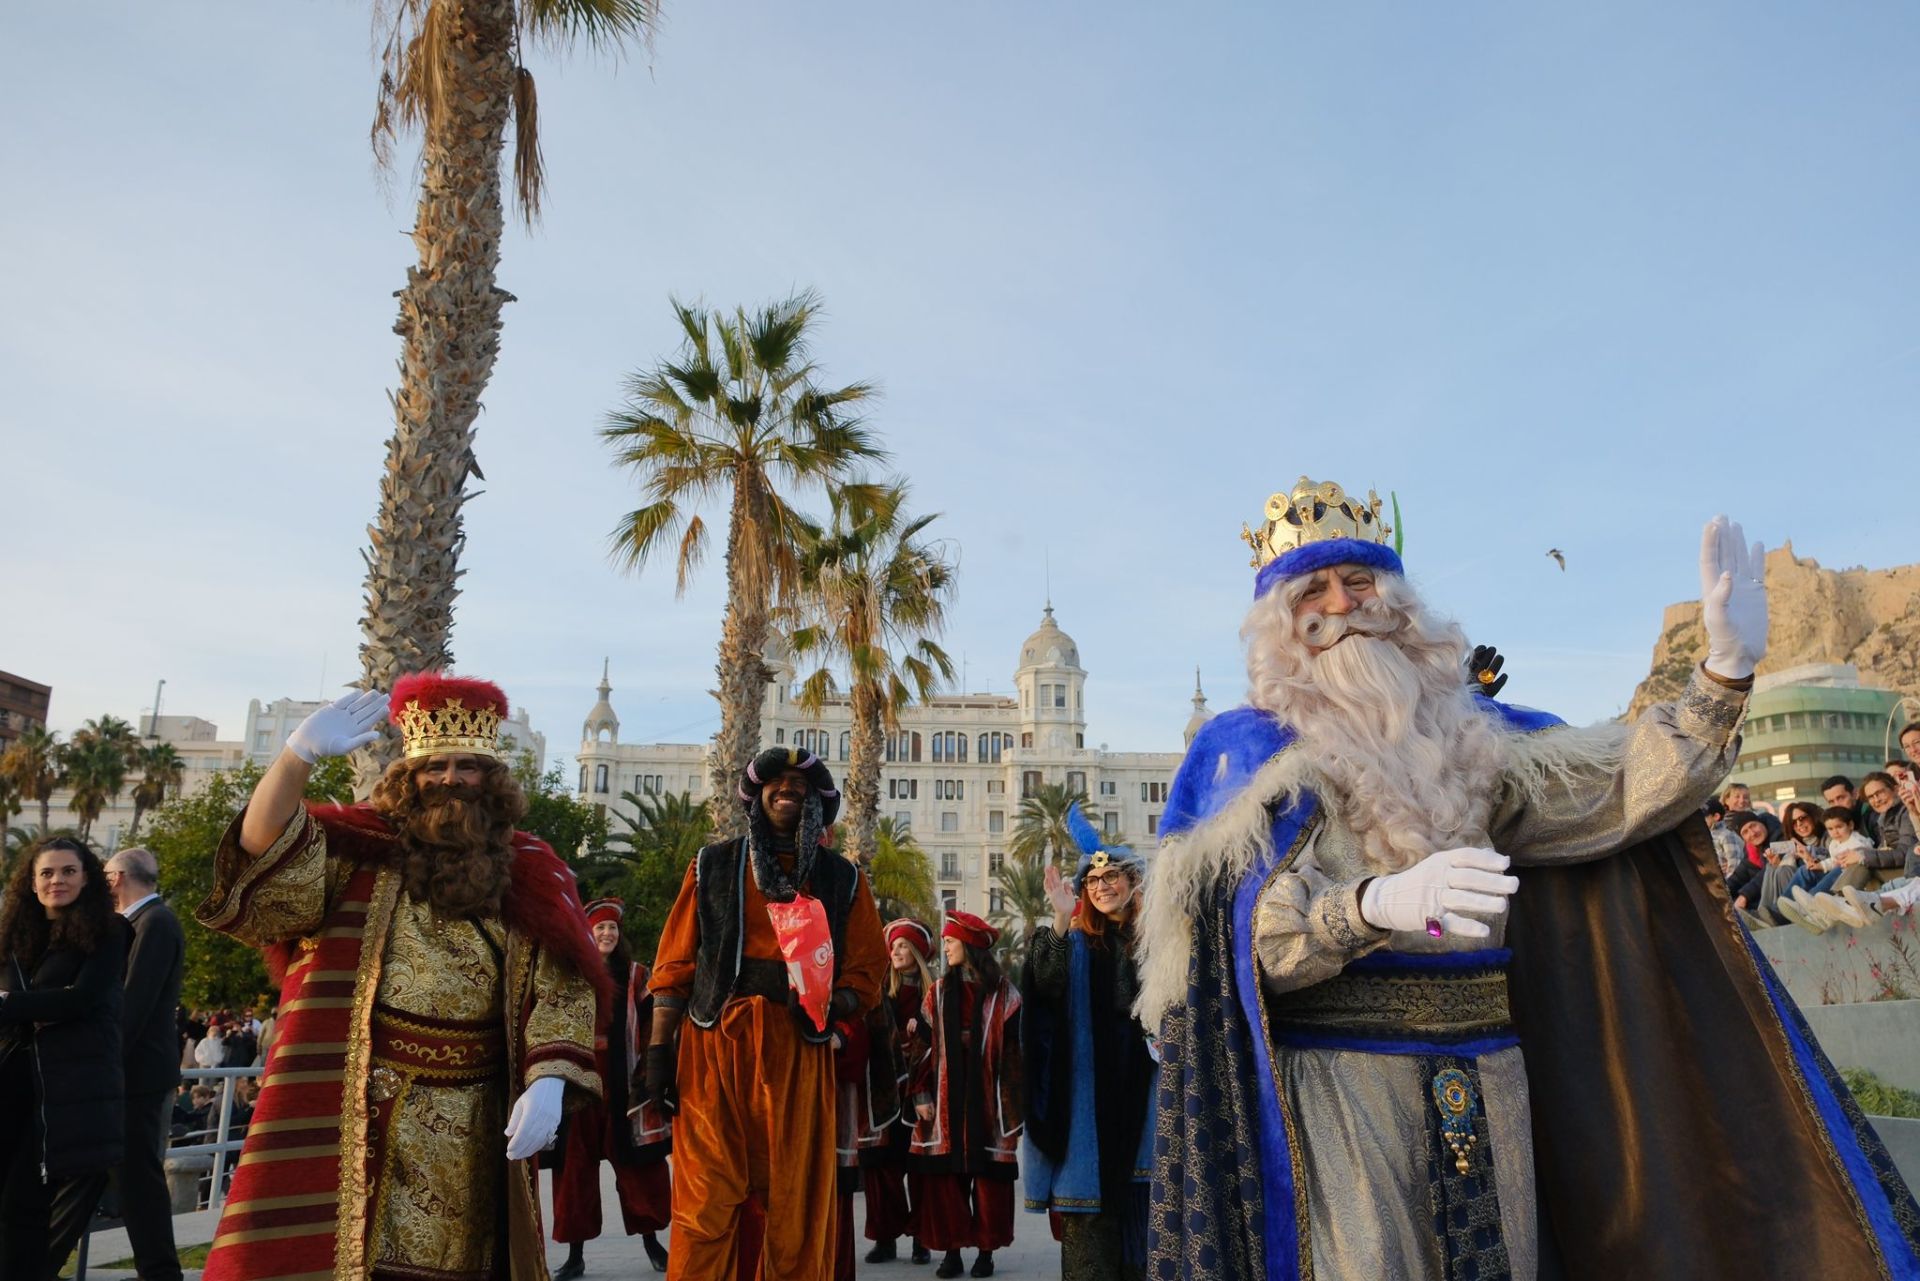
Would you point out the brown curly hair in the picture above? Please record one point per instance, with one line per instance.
(454, 847)
(26, 932)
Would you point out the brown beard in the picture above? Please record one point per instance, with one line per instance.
(454, 843)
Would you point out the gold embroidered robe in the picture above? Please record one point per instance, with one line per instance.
(446, 1022)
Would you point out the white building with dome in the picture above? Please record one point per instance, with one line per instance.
(955, 769)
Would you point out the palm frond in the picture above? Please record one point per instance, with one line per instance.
(529, 171)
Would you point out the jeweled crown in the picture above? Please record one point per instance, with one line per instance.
(450, 727)
(437, 713)
(1315, 511)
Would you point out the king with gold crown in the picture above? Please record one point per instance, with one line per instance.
(438, 1005)
(1446, 988)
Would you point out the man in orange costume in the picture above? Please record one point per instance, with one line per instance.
(752, 1078)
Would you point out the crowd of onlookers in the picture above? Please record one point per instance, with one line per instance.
(1819, 866)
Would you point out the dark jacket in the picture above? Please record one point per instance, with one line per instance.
(69, 1009)
(1894, 848)
(151, 1039)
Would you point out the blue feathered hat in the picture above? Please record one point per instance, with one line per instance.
(1094, 854)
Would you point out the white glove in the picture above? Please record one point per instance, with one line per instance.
(535, 1118)
(1437, 889)
(343, 725)
(1733, 599)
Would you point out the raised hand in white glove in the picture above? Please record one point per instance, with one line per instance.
(535, 1118)
(348, 722)
(1431, 895)
(1733, 599)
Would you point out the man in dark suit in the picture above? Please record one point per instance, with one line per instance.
(151, 1046)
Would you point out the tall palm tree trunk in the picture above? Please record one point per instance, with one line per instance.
(742, 675)
(46, 813)
(862, 785)
(449, 328)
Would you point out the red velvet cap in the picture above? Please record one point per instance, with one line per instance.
(969, 929)
(916, 933)
(605, 909)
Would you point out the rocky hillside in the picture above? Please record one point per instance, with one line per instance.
(1867, 617)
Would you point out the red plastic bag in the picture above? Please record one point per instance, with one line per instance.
(807, 943)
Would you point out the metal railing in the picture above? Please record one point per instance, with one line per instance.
(218, 1149)
(221, 1145)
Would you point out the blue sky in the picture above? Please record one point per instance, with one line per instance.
(1559, 277)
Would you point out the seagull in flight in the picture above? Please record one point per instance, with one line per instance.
(1559, 558)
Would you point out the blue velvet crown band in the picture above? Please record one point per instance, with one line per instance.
(1328, 551)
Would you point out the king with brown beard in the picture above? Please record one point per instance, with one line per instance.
(439, 1001)
(1447, 988)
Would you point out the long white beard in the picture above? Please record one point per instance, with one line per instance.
(1411, 763)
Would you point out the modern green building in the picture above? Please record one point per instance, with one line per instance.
(1806, 724)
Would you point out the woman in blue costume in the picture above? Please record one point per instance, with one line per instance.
(1089, 1073)
(1343, 995)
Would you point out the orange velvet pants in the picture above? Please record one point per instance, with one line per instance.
(756, 1119)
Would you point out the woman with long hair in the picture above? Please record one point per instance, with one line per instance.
(1088, 1146)
(892, 1187)
(966, 1130)
(63, 957)
(634, 1135)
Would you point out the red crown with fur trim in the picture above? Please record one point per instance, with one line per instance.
(438, 714)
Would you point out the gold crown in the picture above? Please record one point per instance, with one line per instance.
(1314, 512)
(449, 727)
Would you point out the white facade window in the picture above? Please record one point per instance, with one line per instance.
(693, 784)
(1108, 787)
(996, 821)
(996, 860)
(996, 901)
(1060, 696)
(1110, 823)
(1783, 793)
(599, 778)
(949, 900)
(949, 864)
(1153, 825)
(1076, 782)
(996, 787)
(949, 821)
(779, 736)
(1782, 758)
(903, 821)
(260, 739)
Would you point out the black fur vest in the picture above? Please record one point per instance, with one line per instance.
(721, 873)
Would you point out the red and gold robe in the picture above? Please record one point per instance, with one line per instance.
(376, 1147)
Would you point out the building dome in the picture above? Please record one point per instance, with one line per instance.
(1201, 712)
(601, 722)
(1049, 646)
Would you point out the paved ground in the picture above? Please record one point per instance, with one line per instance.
(1032, 1255)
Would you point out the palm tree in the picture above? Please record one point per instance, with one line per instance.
(36, 765)
(1040, 831)
(871, 589)
(901, 874)
(96, 773)
(1023, 897)
(1041, 836)
(452, 70)
(735, 413)
(161, 773)
(9, 806)
(115, 733)
(646, 863)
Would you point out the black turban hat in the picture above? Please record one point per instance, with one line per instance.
(774, 761)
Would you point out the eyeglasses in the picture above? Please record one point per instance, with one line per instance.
(1877, 793)
(1115, 878)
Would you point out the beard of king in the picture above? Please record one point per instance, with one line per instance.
(1401, 750)
(454, 842)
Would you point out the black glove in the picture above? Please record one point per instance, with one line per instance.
(1483, 670)
(662, 1069)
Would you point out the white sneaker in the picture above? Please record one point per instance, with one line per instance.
(1794, 913)
(1865, 902)
(1839, 911)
